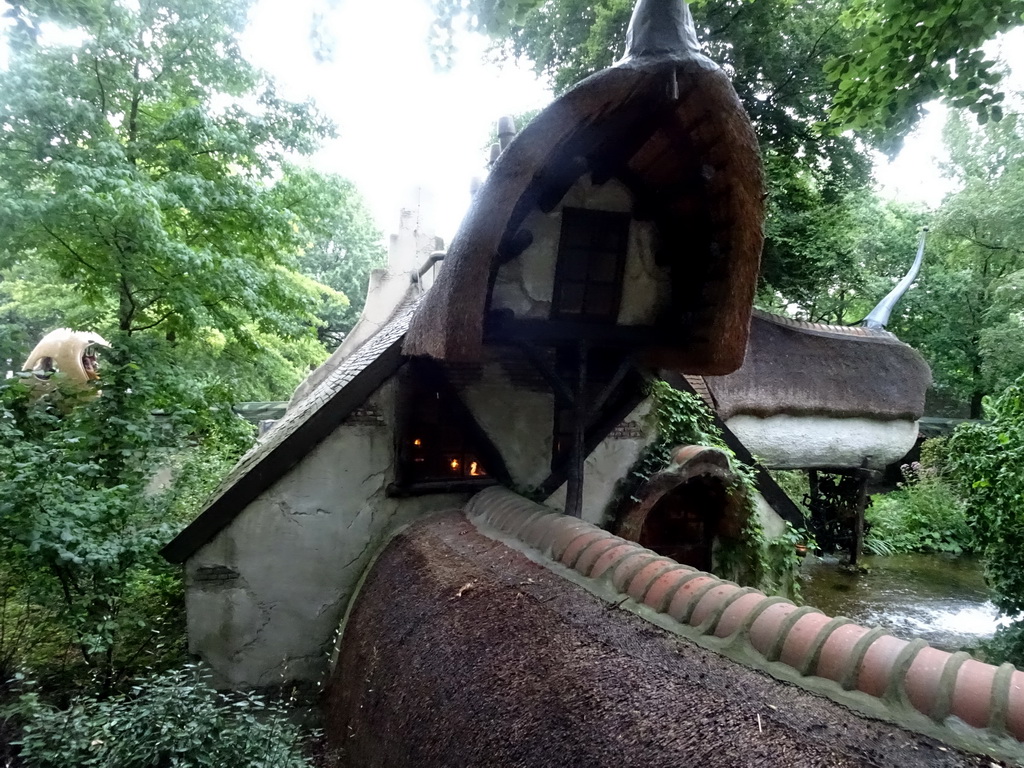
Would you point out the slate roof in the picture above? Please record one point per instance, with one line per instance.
(301, 429)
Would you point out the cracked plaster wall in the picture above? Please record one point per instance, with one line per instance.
(525, 285)
(798, 442)
(299, 550)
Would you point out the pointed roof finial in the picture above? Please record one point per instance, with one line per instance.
(661, 29)
(879, 316)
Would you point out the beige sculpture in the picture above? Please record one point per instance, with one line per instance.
(68, 352)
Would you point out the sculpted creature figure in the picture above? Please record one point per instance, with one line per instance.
(67, 351)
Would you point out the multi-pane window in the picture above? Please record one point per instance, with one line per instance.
(435, 445)
(591, 260)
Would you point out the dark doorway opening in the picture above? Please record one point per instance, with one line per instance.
(683, 523)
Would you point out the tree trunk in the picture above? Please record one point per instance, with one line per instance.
(977, 411)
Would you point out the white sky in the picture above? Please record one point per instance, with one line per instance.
(915, 175)
(401, 123)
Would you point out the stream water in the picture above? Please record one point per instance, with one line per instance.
(941, 599)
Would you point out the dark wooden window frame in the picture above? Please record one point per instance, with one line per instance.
(579, 265)
(426, 376)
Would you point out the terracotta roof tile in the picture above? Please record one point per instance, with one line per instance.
(908, 679)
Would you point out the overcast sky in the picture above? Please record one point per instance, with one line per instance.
(401, 123)
(915, 175)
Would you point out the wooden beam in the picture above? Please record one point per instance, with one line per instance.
(857, 543)
(577, 459)
(437, 377)
(562, 391)
(620, 374)
(777, 498)
(557, 181)
(499, 327)
(513, 246)
(597, 432)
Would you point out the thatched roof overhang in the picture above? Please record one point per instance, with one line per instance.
(674, 132)
(811, 369)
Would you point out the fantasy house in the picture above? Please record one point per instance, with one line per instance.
(437, 526)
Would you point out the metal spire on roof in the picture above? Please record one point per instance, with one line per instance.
(661, 29)
(879, 316)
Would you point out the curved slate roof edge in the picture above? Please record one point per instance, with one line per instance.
(951, 697)
(301, 429)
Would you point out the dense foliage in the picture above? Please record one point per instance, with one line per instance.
(150, 191)
(172, 719)
(891, 58)
(904, 53)
(984, 466)
(680, 418)
(965, 316)
(82, 518)
(922, 515)
(147, 186)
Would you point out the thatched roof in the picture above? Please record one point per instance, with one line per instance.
(670, 127)
(460, 650)
(304, 426)
(799, 368)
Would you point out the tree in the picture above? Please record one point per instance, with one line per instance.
(131, 165)
(985, 467)
(965, 314)
(80, 518)
(897, 54)
(842, 259)
(146, 176)
(904, 53)
(341, 244)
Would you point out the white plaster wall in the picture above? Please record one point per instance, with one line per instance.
(525, 285)
(772, 525)
(607, 464)
(795, 442)
(518, 422)
(384, 292)
(646, 287)
(299, 550)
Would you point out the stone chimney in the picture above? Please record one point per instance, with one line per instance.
(411, 251)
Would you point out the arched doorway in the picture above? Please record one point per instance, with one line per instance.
(683, 509)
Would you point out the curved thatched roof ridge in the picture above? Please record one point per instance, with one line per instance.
(811, 369)
(692, 162)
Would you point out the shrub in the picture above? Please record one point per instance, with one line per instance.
(986, 467)
(175, 719)
(922, 515)
(81, 524)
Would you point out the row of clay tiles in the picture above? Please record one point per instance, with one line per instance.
(905, 678)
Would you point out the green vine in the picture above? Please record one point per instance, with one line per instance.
(681, 418)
